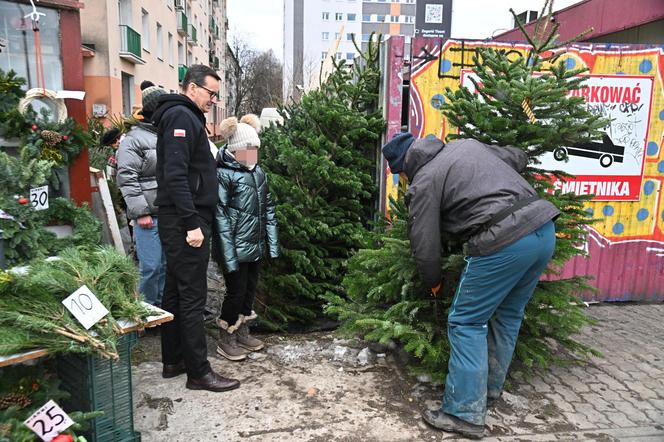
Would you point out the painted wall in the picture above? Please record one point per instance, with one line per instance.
(626, 248)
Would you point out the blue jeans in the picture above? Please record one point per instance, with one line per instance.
(151, 263)
(484, 320)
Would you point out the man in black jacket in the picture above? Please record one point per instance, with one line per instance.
(475, 192)
(187, 198)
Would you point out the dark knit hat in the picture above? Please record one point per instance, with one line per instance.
(395, 150)
(149, 99)
(146, 84)
(110, 136)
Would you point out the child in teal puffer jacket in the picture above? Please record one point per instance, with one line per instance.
(246, 229)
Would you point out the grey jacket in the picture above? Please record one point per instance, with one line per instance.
(137, 167)
(246, 221)
(457, 189)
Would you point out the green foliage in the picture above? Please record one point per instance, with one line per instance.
(385, 301)
(321, 168)
(32, 314)
(34, 386)
(25, 238)
(98, 153)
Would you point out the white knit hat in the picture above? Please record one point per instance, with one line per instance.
(241, 135)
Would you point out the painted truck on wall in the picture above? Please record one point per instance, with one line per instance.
(624, 171)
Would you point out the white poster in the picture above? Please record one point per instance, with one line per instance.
(611, 168)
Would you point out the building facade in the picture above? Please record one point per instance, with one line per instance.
(128, 41)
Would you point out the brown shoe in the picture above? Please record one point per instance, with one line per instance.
(173, 370)
(212, 382)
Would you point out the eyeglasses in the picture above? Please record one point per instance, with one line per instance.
(213, 94)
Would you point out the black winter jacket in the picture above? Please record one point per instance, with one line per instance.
(186, 170)
(457, 189)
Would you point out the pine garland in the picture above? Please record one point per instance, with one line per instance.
(32, 314)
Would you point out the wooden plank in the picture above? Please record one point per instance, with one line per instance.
(109, 211)
(21, 357)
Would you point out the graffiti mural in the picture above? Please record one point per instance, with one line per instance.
(625, 169)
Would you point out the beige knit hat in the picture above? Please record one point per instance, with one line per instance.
(241, 135)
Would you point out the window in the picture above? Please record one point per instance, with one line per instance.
(19, 52)
(351, 17)
(394, 18)
(338, 16)
(323, 55)
(410, 19)
(160, 42)
(325, 36)
(145, 20)
(366, 17)
(365, 37)
(350, 56)
(337, 36)
(349, 37)
(181, 59)
(526, 17)
(170, 49)
(127, 93)
(338, 55)
(326, 16)
(380, 18)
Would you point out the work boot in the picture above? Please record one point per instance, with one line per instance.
(452, 424)
(244, 338)
(212, 382)
(228, 345)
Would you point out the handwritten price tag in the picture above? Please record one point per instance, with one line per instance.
(39, 197)
(48, 421)
(85, 307)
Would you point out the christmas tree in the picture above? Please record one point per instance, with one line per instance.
(321, 166)
(517, 106)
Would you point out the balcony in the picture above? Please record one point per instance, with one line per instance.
(130, 45)
(214, 62)
(182, 69)
(182, 23)
(192, 35)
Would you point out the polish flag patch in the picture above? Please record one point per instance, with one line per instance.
(179, 133)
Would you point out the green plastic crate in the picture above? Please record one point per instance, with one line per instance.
(101, 385)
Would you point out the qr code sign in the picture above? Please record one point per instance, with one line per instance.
(433, 14)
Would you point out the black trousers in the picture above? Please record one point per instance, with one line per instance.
(240, 292)
(185, 293)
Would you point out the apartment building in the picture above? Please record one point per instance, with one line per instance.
(312, 28)
(128, 41)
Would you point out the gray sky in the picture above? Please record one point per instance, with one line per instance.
(259, 22)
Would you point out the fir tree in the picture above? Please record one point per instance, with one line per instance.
(385, 299)
(321, 165)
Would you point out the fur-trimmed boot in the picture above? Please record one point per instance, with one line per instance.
(244, 338)
(228, 341)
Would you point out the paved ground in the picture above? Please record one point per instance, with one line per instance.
(318, 388)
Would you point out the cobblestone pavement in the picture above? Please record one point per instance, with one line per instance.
(619, 396)
(310, 388)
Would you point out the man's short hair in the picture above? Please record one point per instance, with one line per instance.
(196, 74)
